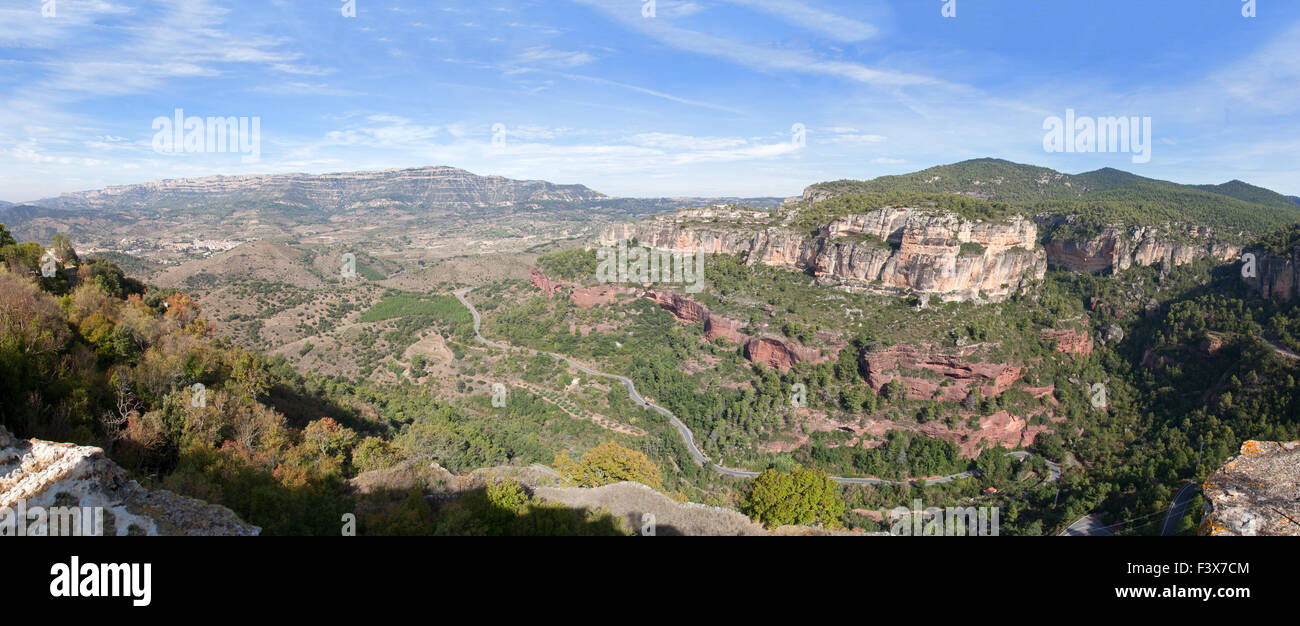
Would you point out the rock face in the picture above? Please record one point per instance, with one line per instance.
(895, 250)
(781, 353)
(934, 254)
(1255, 492)
(1115, 250)
(582, 295)
(1276, 276)
(44, 474)
(927, 372)
(771, 350)
(1076, 342)
(441, 186)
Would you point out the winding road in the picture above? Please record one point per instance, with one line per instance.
(688, 436)
(1178, 509)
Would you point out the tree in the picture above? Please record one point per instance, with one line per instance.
(801, 496)
(606, 464)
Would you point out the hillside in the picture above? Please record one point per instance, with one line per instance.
(1106, 195)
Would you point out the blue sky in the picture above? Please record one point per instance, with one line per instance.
(699, 99)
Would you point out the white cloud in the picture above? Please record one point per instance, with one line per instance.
(836, 27)
(543, 55)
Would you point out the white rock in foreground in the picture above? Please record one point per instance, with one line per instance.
(45, 474)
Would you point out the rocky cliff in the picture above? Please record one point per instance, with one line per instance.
(1114, 249)
(1275, 276)
(43, 474)
(1254, 493)
(951, 374)
(895, 250)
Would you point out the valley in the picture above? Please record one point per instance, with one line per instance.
(942, 335)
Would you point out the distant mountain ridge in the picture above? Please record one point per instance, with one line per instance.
(429, 186)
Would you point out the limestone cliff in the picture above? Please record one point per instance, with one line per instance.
(1113, 249)
(894, 250)
(1275, 276)
(44, 474)
(1254, 493)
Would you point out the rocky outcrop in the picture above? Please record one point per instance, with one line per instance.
(1067, 341)
(771, 350)
(1113, 249)
(781, 353)
(934, 254)
(926, 372)
(584, 296)
(38, 473)
(1255, 492)
(894, 250)
(1275, 276)
(689, 311)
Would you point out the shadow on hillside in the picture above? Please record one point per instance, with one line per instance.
(471, 514)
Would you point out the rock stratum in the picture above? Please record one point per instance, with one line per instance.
(45, 474)
(1275, 276)
(893, 251)
(771, 350)
(1115, 249)
(1256, 492)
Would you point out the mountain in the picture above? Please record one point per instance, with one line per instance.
(1249, 193)
(443, 186)
(987, 178)
(1106, 195)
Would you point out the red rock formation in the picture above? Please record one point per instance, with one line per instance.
(779, 352)
(1068, 341)
(539, 280)
(682, 308)
(885, 365)
(582, 296)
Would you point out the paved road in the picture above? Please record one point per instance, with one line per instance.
(1178, 509)
(687, 435)
(1053, 469)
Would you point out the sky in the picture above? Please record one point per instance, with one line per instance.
(641, 97)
